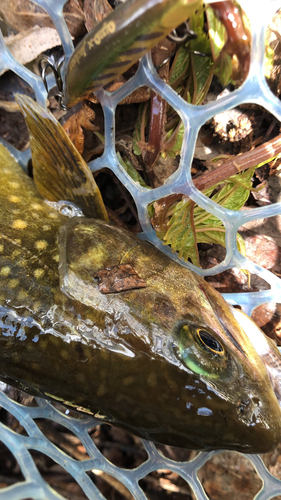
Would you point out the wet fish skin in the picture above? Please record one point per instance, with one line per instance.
(133, 358)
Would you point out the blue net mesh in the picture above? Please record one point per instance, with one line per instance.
(254, 90)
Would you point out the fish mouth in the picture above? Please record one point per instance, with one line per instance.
(266, 349)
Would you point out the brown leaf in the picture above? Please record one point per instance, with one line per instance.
(23, 14)
(141, 94)
(268, 318)
(118, 279)
(95, 11)
(74, 17)
(229, 475)
(28, 44)
(73, 126)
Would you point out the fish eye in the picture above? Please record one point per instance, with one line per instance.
(209, 342)
(202, 352)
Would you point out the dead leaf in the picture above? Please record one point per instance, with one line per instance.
(28, 44)
(23, 14)
(268, 318)
(74, 17)
(229, 475)
(95, 11)
(118, 279)
(73, 127)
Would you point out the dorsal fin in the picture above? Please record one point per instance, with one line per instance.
(60, 173)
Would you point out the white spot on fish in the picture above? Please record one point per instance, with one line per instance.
(204, 412)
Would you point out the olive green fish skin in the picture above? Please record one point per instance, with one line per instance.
(117, 356)
(119, 41)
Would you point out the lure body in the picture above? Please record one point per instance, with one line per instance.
(119, 41)
(168, 362)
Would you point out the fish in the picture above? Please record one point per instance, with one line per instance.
(118, 42)
(103, 322)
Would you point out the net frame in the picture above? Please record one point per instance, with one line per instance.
(254, 90)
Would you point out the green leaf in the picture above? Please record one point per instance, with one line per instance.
(133, 173)
(175, 149)
(269, 60)
(218, 38)
(217, 33)
(143, 108)
(180, 66)
(190, 224)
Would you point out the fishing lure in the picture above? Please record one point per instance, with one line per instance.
(101, 321)
(117, 42)
(126, 34)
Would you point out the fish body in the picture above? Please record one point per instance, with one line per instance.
(167, 361)
(119, 41)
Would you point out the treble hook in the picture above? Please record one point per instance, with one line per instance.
(188, 35)
(46, 62)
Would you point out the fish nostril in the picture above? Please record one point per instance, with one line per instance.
(256, 401)
(243, 405)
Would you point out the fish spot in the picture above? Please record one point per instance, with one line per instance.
(46, 227)
(38, 273)
(54, 339)
(1, 248)
(37, 306)
(22, 295)
(41, 244)
(64, 354)
(35, 215)
(17, 252)
(13, 283)
(53, 215)
(44, 342)
(152, 379)
(14, 199)
(81, 378)
(101, 390)
(56, 258)
(14, 185)
(36, 206)
(19, 224)
(35, 367)
(128, 380)
(5, 271)
(22, 263)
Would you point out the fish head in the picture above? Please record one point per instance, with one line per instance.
(188, 374)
